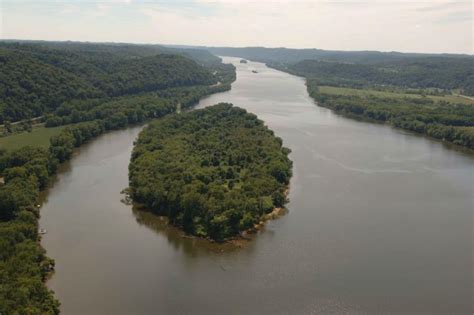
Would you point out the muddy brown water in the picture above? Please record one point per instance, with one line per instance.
(379, 221)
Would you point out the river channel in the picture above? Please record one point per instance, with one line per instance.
(379, 221)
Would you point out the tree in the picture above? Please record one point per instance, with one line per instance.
(214, 171)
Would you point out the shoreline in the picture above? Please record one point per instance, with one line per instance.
(238, 240)
(276, 213)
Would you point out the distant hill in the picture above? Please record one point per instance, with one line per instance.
(126, 50)
(415, 73)
(289, 55)
(36, 77)
(362, 68)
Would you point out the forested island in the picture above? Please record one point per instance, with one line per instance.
(213, 172)
(88, 89)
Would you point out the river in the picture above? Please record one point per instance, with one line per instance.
(379, 221)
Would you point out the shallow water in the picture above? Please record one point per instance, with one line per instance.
(379, 221)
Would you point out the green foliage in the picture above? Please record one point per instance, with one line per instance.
(121, 111)
(291, 55)
(23, 264)
(214, 172)
(445, 73)
(394, 92)
(38, 78)
(449, 122)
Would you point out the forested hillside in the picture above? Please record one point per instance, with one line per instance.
(92, 89)
(24, 266)
(442, 73)
(290, 55)
(366, 68)
(214, 172)
(126, 50)
(36, 78)
(128, 109)
(424, 93)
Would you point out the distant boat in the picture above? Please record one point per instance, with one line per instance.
(254, 71)
(42, 231)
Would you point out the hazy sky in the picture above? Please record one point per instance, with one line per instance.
(400, 25)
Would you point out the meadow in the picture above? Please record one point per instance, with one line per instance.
(370, 92)
(39, 137)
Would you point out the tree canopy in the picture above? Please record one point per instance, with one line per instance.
(37, 78)
(214, 172)
(441, 120)
(24, 266)
(438, 72)
(293, 55)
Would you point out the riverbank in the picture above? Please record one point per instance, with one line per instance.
(276, 213)
(238, 241)
(213, 171)
(359, 236)
(448, 118)
(401, 113)
(28, 171)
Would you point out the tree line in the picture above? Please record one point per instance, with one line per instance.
(120, 111)
(24, 265)
(38, 77)
(288, 56)
(449, 122)
(213, 172)
(434, 72)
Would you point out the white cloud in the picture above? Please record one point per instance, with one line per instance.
(377, 25)
(422, 26)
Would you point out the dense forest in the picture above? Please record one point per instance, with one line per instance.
(26, 171)
(409, 74)
(290, 56)
(441, 120)
(121, 111)
(38, 77)
(126, 50)
(176, 83)
(441, 73)
(23, 264)
(214, 172)
(366, 68)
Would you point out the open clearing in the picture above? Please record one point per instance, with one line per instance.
(38, 137)
(367, 92)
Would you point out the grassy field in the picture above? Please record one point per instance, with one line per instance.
(38, 137)
(366, 92)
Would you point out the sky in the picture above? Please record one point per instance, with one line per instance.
(435, 26)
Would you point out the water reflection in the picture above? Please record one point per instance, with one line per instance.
(187, 244)
(380, 222)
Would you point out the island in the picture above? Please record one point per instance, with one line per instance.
(243, 61)
(62, 95)
(214, 172)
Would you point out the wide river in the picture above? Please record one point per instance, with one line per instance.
(379, 221)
